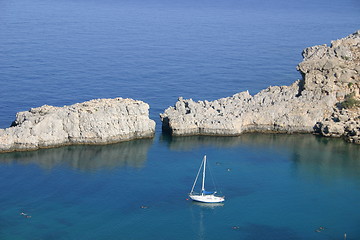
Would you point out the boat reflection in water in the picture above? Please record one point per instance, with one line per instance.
(207, 205)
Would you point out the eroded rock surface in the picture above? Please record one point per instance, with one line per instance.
(97, 121)
(310, 105)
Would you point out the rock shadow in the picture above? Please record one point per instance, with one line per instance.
(85, 157)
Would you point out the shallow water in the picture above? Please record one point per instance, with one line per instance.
(276, 186)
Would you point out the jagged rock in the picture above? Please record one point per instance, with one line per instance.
(277, 109)
(335, 129)
(329, 74)
(93, 122)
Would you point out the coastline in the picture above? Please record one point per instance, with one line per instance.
(324, 102)
(315, 104)
(99, 121)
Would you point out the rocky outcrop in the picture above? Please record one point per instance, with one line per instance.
(336, 70)
(94, 122)
(342, 123)
(306, 106)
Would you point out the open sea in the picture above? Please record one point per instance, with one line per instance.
(277, 187)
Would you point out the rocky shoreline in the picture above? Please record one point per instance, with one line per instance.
(324, 102)
(97, 121)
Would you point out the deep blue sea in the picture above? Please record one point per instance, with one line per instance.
(277, 187)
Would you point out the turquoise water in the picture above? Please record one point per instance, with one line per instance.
(276, 186)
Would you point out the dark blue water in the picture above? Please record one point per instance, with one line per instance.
(276, 186)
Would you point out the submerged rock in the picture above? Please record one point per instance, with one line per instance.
(329, 75)
(97, 121)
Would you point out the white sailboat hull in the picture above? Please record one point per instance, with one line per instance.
(209, 198)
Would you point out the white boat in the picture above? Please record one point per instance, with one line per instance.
(204, 196)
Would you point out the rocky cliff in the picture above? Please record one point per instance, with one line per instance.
(94, 122)
(325, 101)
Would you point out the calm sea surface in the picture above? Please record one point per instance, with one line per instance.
(276, 186)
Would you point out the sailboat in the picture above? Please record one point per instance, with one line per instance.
(204, 196)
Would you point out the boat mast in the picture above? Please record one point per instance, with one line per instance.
(203, 178)
(197, 176)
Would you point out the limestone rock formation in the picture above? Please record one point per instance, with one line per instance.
(307, 106)
(97, 121)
